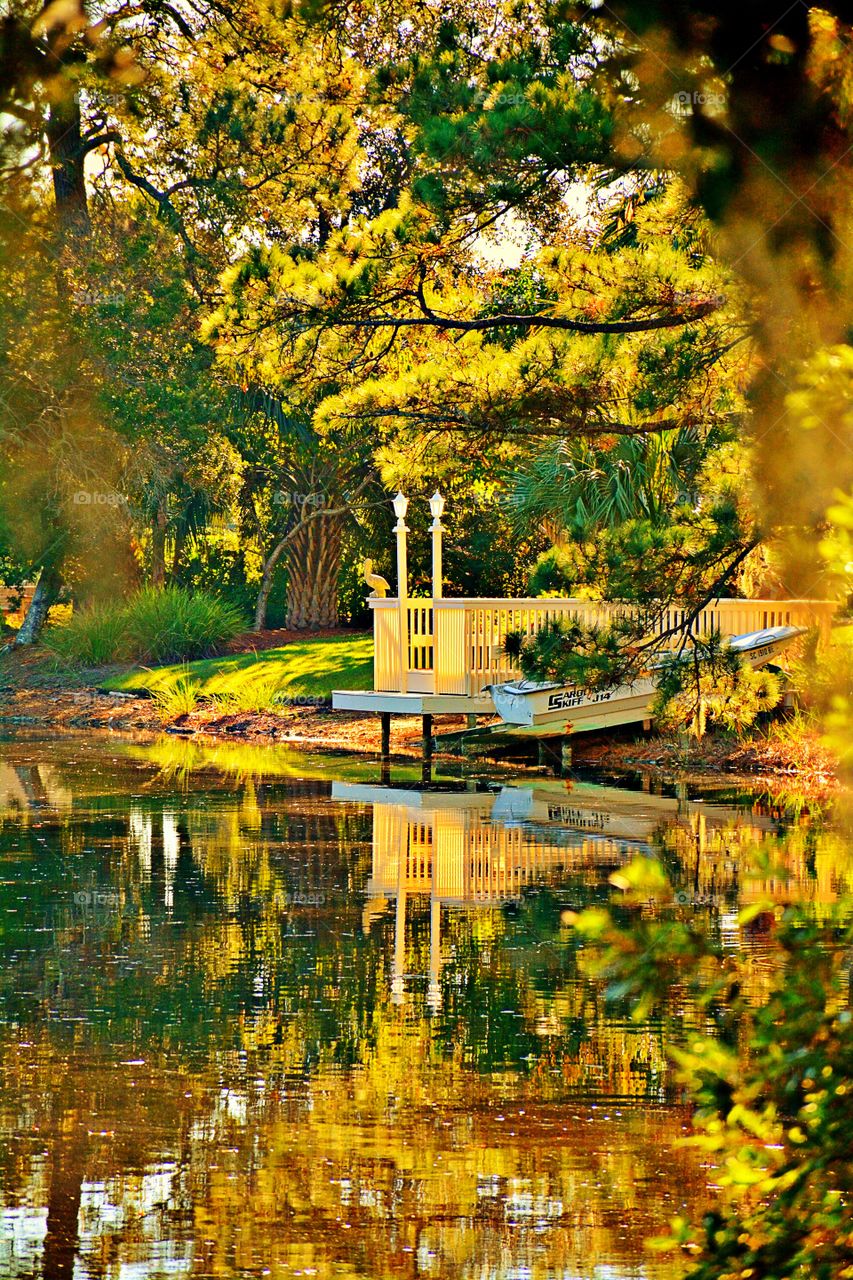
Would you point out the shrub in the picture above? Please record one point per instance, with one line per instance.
(772, 1090)
(175, 624)
(153, 626)
(90, 638)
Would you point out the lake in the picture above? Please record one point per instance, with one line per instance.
(264, 1014)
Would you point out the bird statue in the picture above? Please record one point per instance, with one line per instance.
(379, 585)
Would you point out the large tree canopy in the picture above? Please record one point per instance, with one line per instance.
(429, 232)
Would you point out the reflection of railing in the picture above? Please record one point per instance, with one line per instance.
(456, 646)
(461, 856)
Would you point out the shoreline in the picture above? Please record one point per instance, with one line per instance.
(49, 703)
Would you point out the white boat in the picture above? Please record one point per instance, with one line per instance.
(566, 709)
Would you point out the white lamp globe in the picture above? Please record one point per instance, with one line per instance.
(401, 506)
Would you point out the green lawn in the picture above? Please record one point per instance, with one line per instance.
(305, 668)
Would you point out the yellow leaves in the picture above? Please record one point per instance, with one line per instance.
(710, 1057)
(753, 1122)
(645, 876)
(755, 909)
(740, 1173)
(593, 922)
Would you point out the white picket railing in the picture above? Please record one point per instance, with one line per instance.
(456, 646)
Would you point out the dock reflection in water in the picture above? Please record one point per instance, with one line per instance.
(259, 1021)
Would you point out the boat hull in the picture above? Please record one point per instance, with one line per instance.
(567, 709)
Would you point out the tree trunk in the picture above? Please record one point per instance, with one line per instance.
(158, 546)
(45, 594)
(265, 588)
(178, 555)
(68, 160)
(313, 566)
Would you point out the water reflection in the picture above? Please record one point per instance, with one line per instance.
(260, 1020)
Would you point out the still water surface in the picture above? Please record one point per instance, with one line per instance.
(261, 1015)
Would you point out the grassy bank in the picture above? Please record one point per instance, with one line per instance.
(309, 668)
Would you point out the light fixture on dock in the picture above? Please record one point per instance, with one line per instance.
(401, 506)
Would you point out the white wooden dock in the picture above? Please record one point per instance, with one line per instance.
(435, 656)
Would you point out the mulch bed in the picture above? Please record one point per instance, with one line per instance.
(256, 641)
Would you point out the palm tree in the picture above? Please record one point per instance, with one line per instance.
(576, 488)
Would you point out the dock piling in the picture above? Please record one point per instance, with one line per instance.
(427, 739)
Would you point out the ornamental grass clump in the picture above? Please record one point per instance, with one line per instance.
(177, 699)
(91, 638)
(172, 625)
(175, 625)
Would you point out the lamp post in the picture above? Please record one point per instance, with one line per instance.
(436, 506)
(401, 506)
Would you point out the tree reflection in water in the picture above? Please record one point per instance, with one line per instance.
(257, 1020)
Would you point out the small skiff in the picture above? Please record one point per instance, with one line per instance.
(569, 709)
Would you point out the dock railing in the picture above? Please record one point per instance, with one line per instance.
(455, 646)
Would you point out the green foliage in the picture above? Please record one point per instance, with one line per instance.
(557, 572)
(153, 626)
(780, 1124)
(571, 653)
(163, 626)
(582, 486)
(710, 684)
(256, 696)
(216, 564)
(774, 1105)
(91, 638)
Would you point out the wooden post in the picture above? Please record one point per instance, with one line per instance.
(436, 506)
(401, 505)
(385, 721)
(427, 738)
(471, 720)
